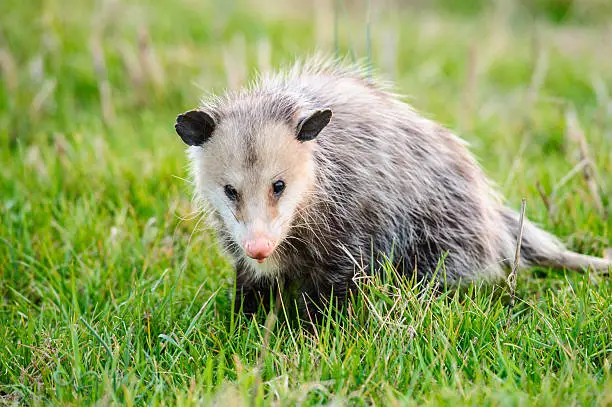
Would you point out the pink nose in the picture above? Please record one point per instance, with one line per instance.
(259, 248)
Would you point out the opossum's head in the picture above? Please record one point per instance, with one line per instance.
(256, 172)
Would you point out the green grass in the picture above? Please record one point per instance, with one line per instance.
(108, 295)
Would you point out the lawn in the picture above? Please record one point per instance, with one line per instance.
(113, 293)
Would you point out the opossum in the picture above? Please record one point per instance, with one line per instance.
(312, 173)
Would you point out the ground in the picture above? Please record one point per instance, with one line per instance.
(112, 293)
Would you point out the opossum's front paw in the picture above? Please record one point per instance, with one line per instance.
(250, 302)
(247, 307)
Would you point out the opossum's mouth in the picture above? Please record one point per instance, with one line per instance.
(268, 267)
(260, 259)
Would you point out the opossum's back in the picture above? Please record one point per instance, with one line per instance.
(400, 181)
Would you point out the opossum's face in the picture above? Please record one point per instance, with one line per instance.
(256, 176)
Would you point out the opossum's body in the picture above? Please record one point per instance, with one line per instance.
(376, 178)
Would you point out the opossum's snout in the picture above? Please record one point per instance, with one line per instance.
(259, 248)
(260, 239)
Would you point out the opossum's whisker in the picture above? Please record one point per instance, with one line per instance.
(282, 249)
(182, 179)
(288, 238)
(229, 208)
(195, 228)
(202, 214)
(313, 234)
(191, 215)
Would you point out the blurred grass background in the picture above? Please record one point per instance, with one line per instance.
(109, 294)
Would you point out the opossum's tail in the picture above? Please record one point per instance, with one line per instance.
(540, 248)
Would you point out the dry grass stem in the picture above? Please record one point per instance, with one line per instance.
(97, 53)
(576, 134)
(234, 61)
(547, 201)
(517, 256)
(469, 89)
(148, 59)
(8, 68)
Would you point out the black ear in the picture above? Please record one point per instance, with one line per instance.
(195, 127)
(310, 126)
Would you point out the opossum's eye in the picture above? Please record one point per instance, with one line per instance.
(231, 193)
(278, 187)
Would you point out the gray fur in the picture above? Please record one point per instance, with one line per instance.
(387, 180)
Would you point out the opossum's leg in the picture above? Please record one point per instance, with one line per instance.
(250, 295)
(317, 298)
(250, 299)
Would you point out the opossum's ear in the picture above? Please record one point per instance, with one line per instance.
(195, 127)
(311, 124)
